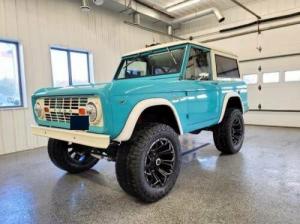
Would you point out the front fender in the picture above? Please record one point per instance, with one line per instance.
(138, 110)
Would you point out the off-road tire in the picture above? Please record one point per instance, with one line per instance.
(133, 156)
(59, 154)
(224, 133)
(122, 169)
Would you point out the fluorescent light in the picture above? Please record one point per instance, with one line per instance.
(182, 5)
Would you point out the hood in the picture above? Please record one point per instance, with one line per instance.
(134, 86)
(89, 89)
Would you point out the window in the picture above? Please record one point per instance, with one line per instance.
(10, 77)
(198, 67)
(151, 64)
(69, 67)
(250, 79)
(227, 67)
(292, 76)
(271, 77)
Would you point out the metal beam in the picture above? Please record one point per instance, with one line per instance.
(246, 8)
(248, 32)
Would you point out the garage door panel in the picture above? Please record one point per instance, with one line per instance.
(280, 100)
(280, 97)
(253, 97)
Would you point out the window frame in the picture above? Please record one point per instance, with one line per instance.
(69, 51)
(217, 54)
(20, 78)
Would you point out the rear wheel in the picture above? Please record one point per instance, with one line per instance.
(70, 157)
(229, 134)
(148, 165)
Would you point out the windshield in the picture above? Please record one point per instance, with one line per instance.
(163, 63)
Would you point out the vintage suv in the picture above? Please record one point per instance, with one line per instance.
(157, 94)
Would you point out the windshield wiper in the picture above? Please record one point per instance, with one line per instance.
(171, 54)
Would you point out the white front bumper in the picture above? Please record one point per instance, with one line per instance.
(78, 137)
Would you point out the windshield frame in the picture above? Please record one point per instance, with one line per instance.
(151, 52)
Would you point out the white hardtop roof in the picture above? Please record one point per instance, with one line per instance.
(174, 43)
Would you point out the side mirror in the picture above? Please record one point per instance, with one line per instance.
(203, 76)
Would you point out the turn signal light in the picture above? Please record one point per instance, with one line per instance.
(46, 109)
(82, 111)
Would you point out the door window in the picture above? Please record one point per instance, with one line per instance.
(198, 67)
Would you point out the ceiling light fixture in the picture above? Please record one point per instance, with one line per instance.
(98, 2)
(85, 6)
(182, 5)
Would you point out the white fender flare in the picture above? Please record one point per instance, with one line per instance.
(138, 110)
(225, 101)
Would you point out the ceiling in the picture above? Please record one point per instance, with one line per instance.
(201, 5)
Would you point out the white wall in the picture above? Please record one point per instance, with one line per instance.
(273, 42)
(38, 24)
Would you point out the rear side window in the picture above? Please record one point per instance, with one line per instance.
(227, 67)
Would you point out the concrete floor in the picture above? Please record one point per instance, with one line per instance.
(261, 184)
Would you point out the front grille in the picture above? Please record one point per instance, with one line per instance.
(61, 108)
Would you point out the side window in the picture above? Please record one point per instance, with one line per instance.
(198, 67)
(10, 77)
(227, 67)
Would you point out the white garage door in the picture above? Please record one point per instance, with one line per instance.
(274, 91)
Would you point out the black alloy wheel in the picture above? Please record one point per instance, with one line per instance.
(229, 134)
(159, 162)
(237, 131)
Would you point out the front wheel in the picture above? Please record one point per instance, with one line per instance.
(148, 165)
(229, 134)
(70, 157)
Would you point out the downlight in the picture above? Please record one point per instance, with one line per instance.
(85, 6)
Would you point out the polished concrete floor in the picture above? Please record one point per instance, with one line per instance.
(261, 184)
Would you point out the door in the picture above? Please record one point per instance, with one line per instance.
(201, 90)
(274, 91)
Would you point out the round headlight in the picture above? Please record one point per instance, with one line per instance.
(38, 110)
(91, 110)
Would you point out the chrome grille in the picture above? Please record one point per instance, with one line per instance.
(61, 108)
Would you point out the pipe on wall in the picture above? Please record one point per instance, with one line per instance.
(156, 13)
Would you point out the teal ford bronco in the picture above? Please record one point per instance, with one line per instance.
(157, 94)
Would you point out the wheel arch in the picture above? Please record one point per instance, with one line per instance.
(231, 99)
(141, 108)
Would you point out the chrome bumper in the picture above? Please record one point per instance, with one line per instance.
(78, 137)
